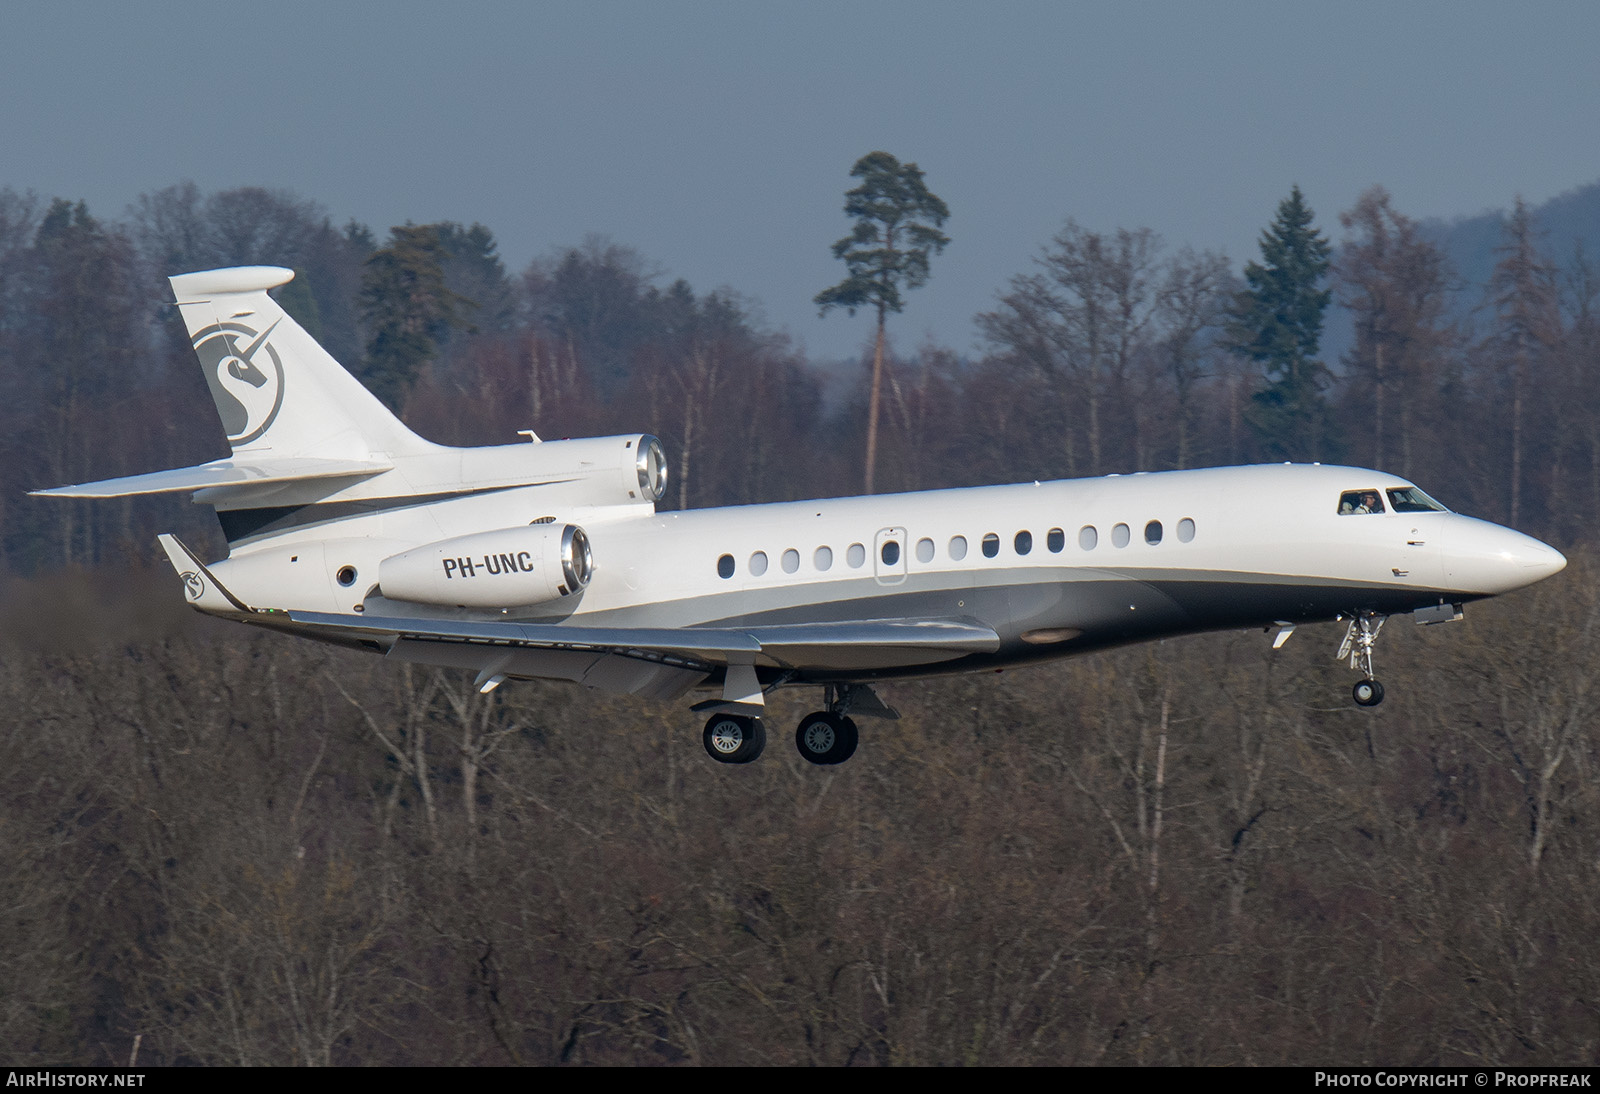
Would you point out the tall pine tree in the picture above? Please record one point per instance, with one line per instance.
(897, 227)
(1277, 323)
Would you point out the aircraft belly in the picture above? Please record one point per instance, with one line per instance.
(1251, 600)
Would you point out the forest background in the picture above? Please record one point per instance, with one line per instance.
(229, 847)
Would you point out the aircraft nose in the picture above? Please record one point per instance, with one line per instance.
(1539, 560)
(1487, 558)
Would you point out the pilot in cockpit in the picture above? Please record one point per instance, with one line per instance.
(1360, 501)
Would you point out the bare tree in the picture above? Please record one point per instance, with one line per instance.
(1522, 294)
(1192, 307)
(1397, 287)
(1079, 322)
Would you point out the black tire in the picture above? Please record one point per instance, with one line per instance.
(848, 742)
(733, 738)
(1367, 693)
(826, 739)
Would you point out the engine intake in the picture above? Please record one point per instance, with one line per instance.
(501, 569)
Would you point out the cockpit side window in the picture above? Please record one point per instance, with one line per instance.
(1408, 499)
(1360, 501)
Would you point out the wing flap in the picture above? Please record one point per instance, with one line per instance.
(219, 473)
(874, 643)
(856, 645)
(693, 646)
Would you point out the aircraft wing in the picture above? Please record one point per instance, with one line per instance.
(873, 643)
(658, 662)
(219, 473)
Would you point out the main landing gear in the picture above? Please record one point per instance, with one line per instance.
(824, 737)
(1357, 645)
(734, 738)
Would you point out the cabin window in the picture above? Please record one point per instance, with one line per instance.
(346, 575)
(1023, 543)
(924, 550)
(856, 556)
(1088, 537)
(758, 563)
(1185, 530)
(991, 545)
(1408, 499)
(1152, 533)
(1120, 535)
(958, 547)
(890, 552)
(1055, 539)
(1353, 502)
(725, 566)
(823, 559)
(791, 561)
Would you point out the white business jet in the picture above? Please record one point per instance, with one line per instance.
(549, 560)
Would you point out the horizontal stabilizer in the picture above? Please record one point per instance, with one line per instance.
(220, 473)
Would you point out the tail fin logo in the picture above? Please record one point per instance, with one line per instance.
(245, 375)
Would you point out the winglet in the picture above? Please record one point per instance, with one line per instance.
(202, 589)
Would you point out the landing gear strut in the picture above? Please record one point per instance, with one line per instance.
(829, 736)
(1357, 645)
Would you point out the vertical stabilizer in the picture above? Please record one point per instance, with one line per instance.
(278, 392)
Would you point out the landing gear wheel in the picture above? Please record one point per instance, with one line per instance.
(733, 738)
(1367, 693)
(825, 738)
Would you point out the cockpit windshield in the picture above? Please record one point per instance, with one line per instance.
(1408, 499)
(1360, 501)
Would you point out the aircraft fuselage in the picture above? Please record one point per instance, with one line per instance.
(1054, 568)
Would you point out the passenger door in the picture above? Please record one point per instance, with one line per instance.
(889, 555)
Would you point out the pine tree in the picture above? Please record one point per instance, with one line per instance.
(1277, 323)
(407, 307)
(897, 228)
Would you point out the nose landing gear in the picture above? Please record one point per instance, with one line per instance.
(1357, 645)
(1367, 693)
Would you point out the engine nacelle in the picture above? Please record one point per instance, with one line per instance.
(623, 470)
(501, 569)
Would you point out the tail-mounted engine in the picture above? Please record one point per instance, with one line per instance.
(621, 470)
(507, 568)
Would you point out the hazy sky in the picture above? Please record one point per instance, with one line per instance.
(716, 138)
